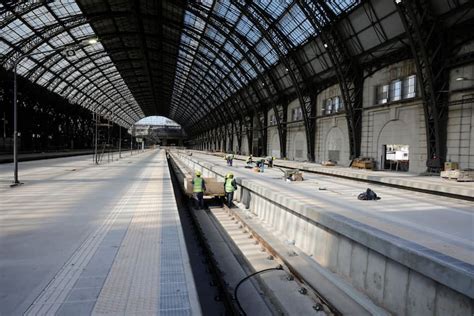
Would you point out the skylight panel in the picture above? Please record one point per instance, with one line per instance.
(244, 26)
(26, 65)
(16, 31)
(339, 6)
(61, 40)
(39, 18)
(45, 78)
(60, 87)
(274, 7)
(266, 51)
(64, 8)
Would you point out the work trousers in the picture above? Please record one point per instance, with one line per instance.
(229, 196)
(199, 200)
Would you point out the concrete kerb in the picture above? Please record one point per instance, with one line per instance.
(446, 270)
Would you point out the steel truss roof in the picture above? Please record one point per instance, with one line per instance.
(88, 78)
(200, 63)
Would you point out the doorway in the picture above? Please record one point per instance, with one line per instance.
(395, 157)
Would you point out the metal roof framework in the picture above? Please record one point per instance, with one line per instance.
(89, 78)
(204, 63)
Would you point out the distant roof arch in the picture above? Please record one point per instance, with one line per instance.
(157, 120)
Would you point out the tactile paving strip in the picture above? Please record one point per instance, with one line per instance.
(50, 300)
(151, 273)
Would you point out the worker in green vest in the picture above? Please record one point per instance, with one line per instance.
(199, 186)
(229, 187)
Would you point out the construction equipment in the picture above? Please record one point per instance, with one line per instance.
(466, 175)
(292, 174)
(363, 163)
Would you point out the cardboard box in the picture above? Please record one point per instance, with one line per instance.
(213, 187)
(459, 175)
(451, 165)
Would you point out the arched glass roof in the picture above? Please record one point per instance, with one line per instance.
(229, 43)
(39, 30)
(200, 63)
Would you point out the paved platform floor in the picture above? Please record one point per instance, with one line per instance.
(402, 179)
(79, 239)
(445, 225)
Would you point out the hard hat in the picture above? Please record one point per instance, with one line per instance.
(198, 173)
(229, 175)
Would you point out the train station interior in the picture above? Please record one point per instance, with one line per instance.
(237, 157)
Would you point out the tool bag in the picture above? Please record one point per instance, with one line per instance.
(368, 195)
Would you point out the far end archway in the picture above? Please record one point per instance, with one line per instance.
(159, 130)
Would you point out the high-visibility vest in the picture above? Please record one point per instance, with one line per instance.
(197, 187)
(228, 185)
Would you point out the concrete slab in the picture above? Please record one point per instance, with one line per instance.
(436, 222)
(430, 234)
(66, 231)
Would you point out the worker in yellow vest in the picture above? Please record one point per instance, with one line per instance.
(229, 187)
(199, 186)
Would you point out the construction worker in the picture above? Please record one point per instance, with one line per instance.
(199, 186)
(231, 159)
(249, 160)
(229, 187)
(270, 161)
(261, 164)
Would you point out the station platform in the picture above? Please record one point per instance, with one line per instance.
(429, 235)
(6, 158)
(413, 181)
(81, 239)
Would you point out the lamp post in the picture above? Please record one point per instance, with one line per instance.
(96, 159)
(4, 119)
(69, 52)
(120, 141)
(131, 140)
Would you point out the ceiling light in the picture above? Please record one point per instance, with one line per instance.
(90, 41)
(325, 45)
(460, 79)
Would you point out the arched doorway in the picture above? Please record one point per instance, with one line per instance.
(299, 147)
(275, 145)
(393, 146)
(334, 146)
(245, 145)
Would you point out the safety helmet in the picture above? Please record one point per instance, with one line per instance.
(229, 175)
(198, 173)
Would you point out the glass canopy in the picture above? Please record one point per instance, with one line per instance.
(39, 30)
(227, 44)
